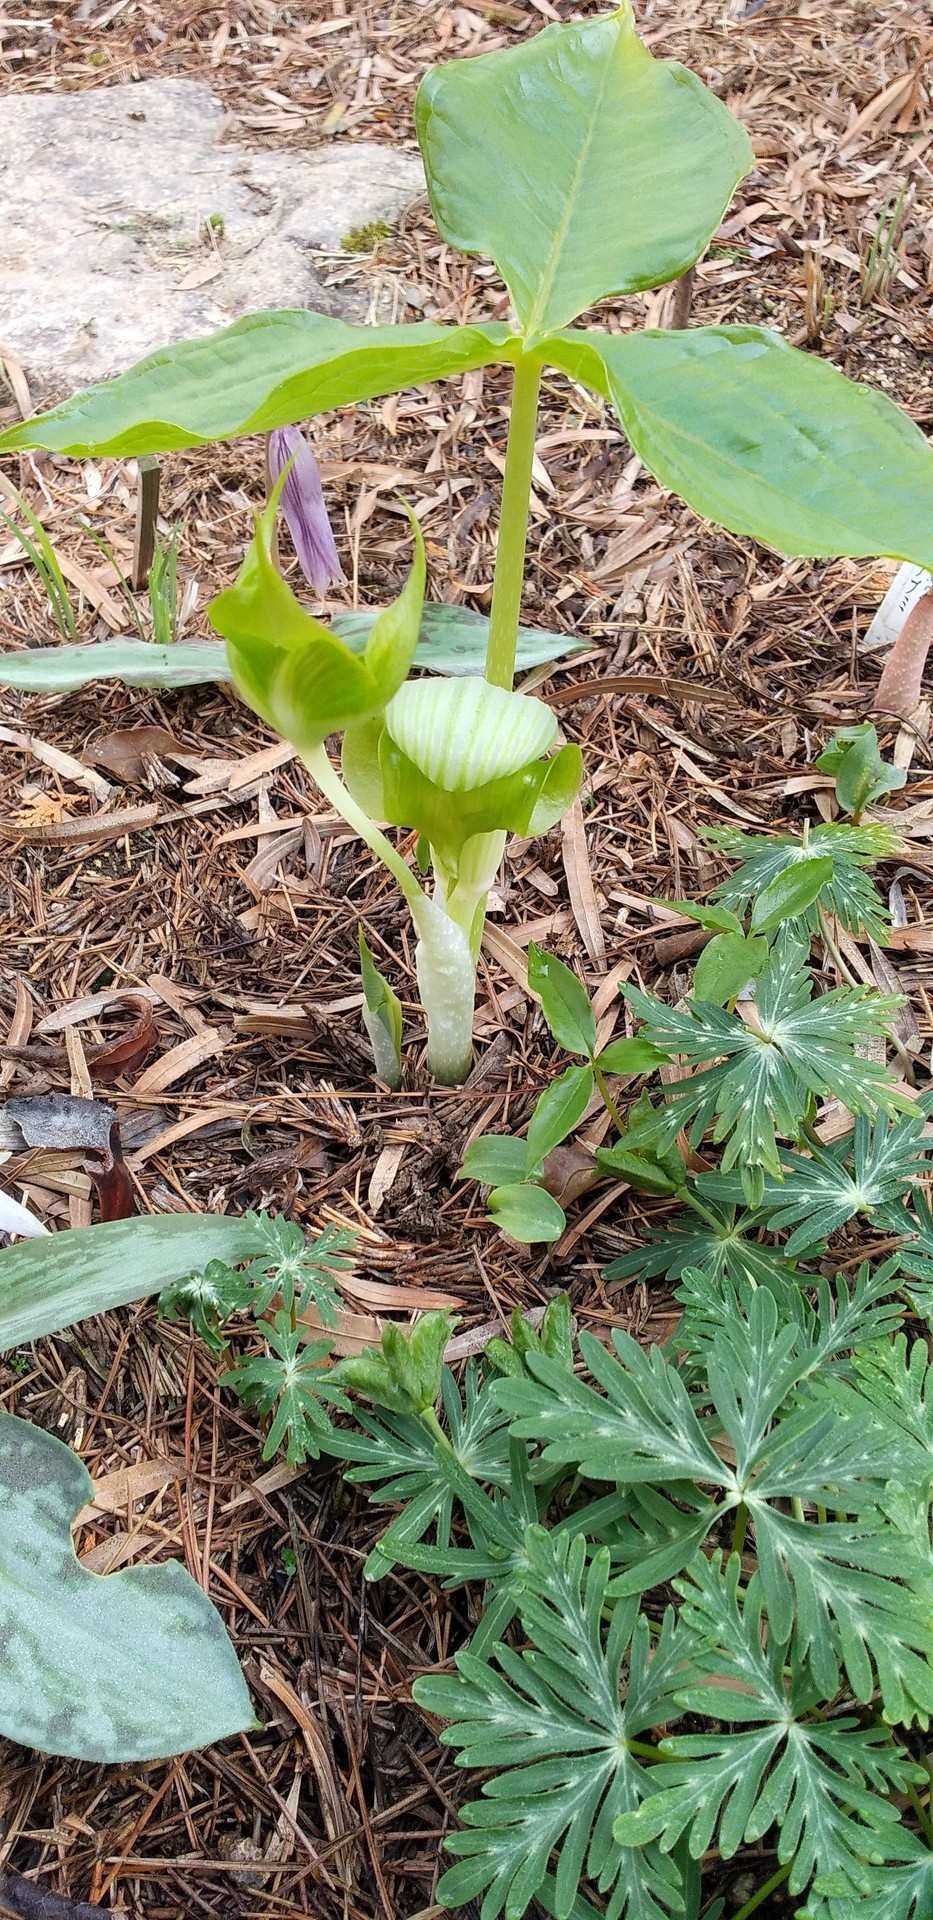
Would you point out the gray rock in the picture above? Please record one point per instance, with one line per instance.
(130, 217)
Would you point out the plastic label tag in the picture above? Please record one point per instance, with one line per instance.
(908, 586)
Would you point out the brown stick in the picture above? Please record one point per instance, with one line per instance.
(901, 685)
(147, 513)
(683, 299)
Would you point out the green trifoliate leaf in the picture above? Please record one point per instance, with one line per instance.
(290, 668)
(850, 895)
(526, 1213)
(582, 129)
(382, 1018)
(727, 965)
(267, 370)
(132, 1667)
(555, 1723)
(806, 461)
(565, 1002)
(854, 757)
(559, 1110)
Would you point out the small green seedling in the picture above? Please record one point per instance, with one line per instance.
(862, 776)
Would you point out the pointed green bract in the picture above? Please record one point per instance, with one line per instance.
(135, 1666)
(582, 165)
(265, 371)
(382, 1018)
(289, 667)
(765, 440)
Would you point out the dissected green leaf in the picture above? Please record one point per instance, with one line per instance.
(267, 370)
(825, 1785)
(583, 130)
(135, 1666)
(552, 1721)
(51, 1283)
(867, 1172)
(850, 895)
(290, 1384)
(806, 461)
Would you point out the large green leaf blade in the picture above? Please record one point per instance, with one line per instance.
(135, 1666)
(582, 131)
(49, 1284)
(765, 440)
(267, 370)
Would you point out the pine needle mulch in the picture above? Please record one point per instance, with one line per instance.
(195, 868)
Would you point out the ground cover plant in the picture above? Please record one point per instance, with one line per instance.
(296, 1546)
(589, 130)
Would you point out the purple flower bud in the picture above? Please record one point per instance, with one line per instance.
(304, 508)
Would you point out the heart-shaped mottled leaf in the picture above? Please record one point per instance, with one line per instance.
(267, 370)
(52, 1283)
(766, 440)
(584, 166)
(134, 1666)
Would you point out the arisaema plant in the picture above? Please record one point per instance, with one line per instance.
(586, 169)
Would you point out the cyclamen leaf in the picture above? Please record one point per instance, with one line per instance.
(131, 1667)
(796, 465)
(601, 129)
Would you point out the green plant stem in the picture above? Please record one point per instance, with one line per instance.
(430, 1420)
(607, 1099)
(513, 525)
(690, 1200)
(922, 1813)
(770, 1886)
(333, 789)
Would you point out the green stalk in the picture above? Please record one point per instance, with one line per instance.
(513, 525)
(770, 1886)
(340, 797)
(602, 1088)
(445, 964)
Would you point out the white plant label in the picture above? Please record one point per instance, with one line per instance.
(907, 587)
